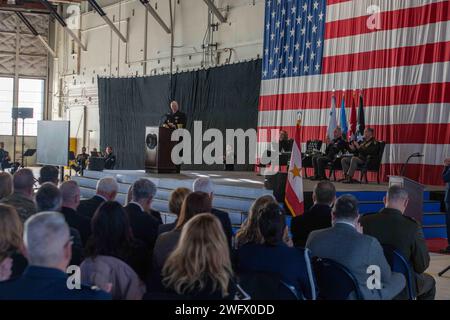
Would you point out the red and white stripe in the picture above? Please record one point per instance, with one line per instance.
(402, 70)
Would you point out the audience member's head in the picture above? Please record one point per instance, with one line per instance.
(83, 150)
(2, 145)
(23, 182)
(6, 184)
(249, 231)
(107, 187)
(345, 209)
(205, 185)
(271, 224)
(143, 192)
(396, 198)
(176, 199)
(48, 198)
(324, 193)
(11, 229)
(47, 241)
(201, 259)
(109, 150)
(48, 174)
(111, 232)
(70, 193)
(194, 203)
(283, 135)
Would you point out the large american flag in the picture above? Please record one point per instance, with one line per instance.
(397, 56)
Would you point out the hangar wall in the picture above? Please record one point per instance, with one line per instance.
(147, 51)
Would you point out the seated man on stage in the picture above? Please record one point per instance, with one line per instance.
(110, 158)
(4, 157)
(285, 143)
(81, 160)
(362, 151)
(334, 147)
(174, 119)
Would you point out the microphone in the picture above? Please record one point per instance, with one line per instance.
(414, 155)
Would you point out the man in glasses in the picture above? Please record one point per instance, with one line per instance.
(48, 248)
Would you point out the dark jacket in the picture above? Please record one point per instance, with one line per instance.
(288, 262)
(143, 225)
(336, 146)
(368, 148)
(317, 217)
(39, 283)
(403, 233)
(19, 265)
(88, 207)
(166, 227)
(77, 247)
(78, 222)
(226, 223)
(446, 178)
(164, 246)
(110, 161)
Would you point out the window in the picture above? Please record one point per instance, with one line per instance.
(6, 104)
(31, 95)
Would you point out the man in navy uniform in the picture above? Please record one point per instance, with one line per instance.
(175, 119)
(446, 178)
(48, 248)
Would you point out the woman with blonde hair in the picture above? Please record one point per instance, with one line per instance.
(6, 184)
(11, 242)
(200, 266)
(249, 231)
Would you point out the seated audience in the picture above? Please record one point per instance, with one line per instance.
(49, 198)
(362, 152)
(22, 197)
(112, 236)
(317, 217)
(11, 242)
(249, 231)
(6, 185)
(195, 203)
(273, 255)
(106, 190)
(175, 202)
(48, 249)
(207, 186)
(345, 243)
(143, 220)
(70, 193)
(334, 147)
(200, 268)
(391, 227)
(48, 174)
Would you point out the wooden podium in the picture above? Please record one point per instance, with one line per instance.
(415, 192)
(158, 149)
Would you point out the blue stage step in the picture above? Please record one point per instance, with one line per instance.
(435, 231)
(374, 195)
(374, 206)
(433, 218)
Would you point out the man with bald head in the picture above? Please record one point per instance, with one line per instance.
(175, 119)
(22, 198)
(70, 192)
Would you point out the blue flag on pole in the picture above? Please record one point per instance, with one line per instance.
(344, 126)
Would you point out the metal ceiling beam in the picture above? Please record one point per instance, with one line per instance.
(108, 21)
(156, 15)
(63, 23)
(35, 33)
(215, 10)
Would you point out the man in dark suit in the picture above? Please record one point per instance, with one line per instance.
(49, 174)
(48, 249)
(110, 159)
(70, 192)
(346, 244)
(317, 217)
(205, 185)
(144, 221)
(391, 227)
(106, 190)
(446, 178)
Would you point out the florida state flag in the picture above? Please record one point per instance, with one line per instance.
(294, 183)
